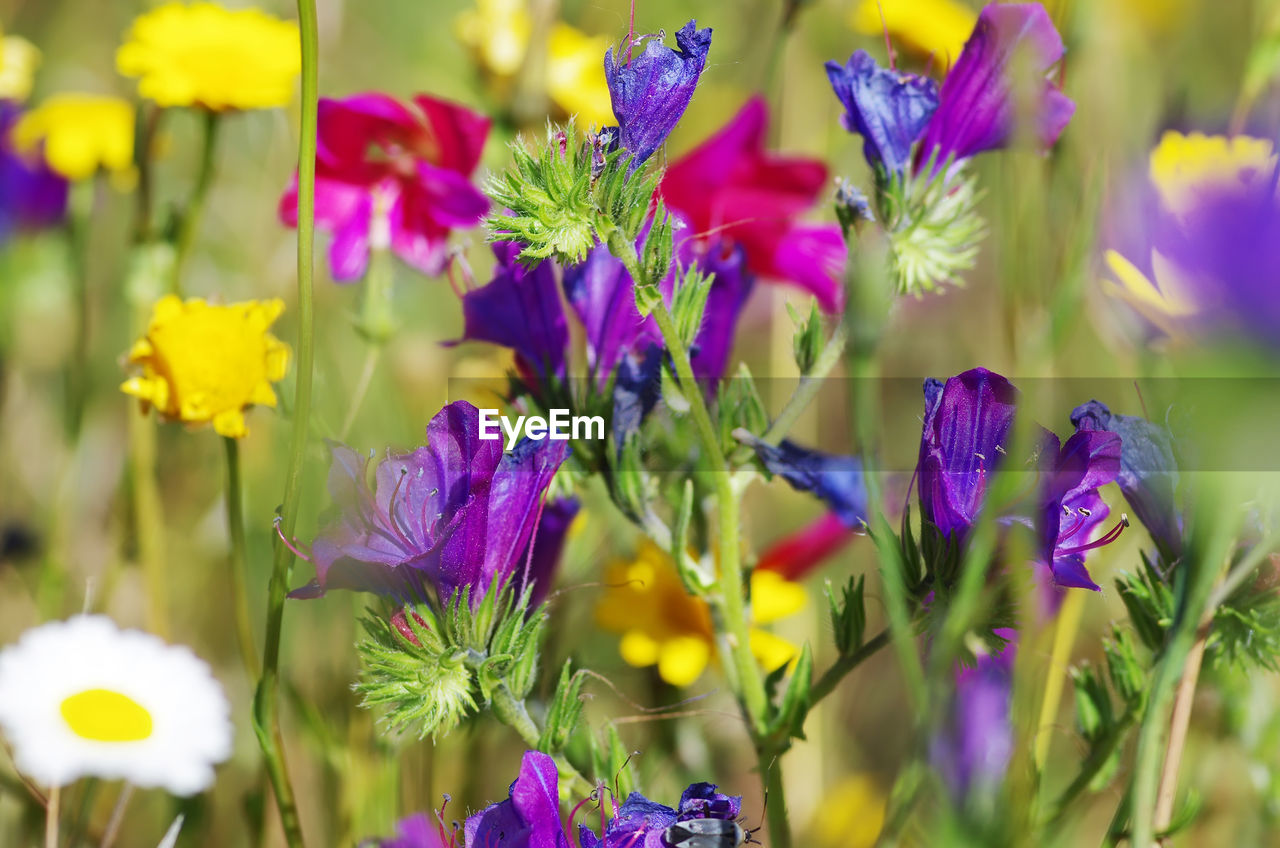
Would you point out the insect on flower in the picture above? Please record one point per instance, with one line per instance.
(707, 833)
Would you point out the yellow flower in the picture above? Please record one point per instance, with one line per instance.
(575, 75)
(937, 28)
(498, 32)
(1180, 169)
(81, 133)
(851, 814)
(204, 55)
(1183, 165)
(204, 363)
(18, 61)
(663, 625)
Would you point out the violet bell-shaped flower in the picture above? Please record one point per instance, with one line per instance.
(456, 513)
(650, 92)
(967, 423)
(974, 111)
(1069, 506)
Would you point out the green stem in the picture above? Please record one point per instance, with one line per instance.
(239, 558)
(806, 391)
(1097, 760)
(84, 202)
(148, 518)
(776, 815)
(741, 668)
(377, 324)
(190, 220)
(512, 712)
(266, 699)
(1196, 576)
(831, 678)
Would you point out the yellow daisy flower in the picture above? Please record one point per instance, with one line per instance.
(663, 625)
(498, 33)
(204, 55)
(937, 28)
(18, 61)
(204, 363)
(80, 133)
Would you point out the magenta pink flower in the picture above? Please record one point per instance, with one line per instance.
(390, 176)
(733, 192)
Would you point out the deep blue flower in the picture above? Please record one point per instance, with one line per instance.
(455, 513)
(1069, 506)
(887, 108)
(836, 480)
(973, 111)
(650, 92)
(520, 309)
(636, 391)
(967, 422)
(32, 196)
(1148, 475)
(529, 817)
(971, 752)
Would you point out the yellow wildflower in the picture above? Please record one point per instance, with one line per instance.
(18, 61)
(851, 814)
(937, 28)
(498, 33)
(575, 75)
(663, 625)
(81, 133)
(204, 55)
(1181, 167)
(205, 363)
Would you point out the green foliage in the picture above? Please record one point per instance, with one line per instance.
(689, 302)
(848, 614)
(740, 406)
(1107, 706)
(787, 722)
(563, 198)
(809, 339)
(1246, 626)
(451, 659)
(933, 226)
(564, 712)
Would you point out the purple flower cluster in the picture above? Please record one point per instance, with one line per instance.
(456, 513)
(902, 115)
(32, 196)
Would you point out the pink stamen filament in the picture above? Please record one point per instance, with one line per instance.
(299, 554)
(1111, 536)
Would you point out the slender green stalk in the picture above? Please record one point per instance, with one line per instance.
(84, 201)
(117, 816)
(239, 558)
(377, 325)
(148, 518)
(513, 713)
(266, 699)
(190, 220)
(741, 668)
(1196, 575)
(51, 813)
(1064, 635)
(830, 679)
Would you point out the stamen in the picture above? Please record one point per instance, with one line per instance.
(573, 814)
(1110, 536)
(391, 510)
(299, 554)
(444, 838)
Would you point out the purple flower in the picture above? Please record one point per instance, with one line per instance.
(651, 91)
(602, 294)
(548, 543)
(455, 513)
(973, 749)
(1148, 474)
(641, 823)
(887, 108)
(389, 173)
(967, 422)
(32, 196)
(836, 480)
(976, 111)
(1069, 506)
(520, 309)
(529, 817)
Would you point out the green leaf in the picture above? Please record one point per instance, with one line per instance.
(809, 339)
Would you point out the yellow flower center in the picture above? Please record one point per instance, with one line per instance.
(102, 715)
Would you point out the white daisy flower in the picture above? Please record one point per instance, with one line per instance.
(82, 698)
